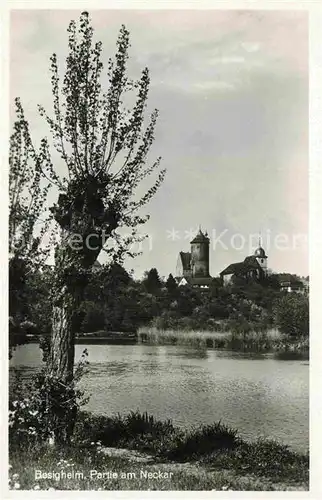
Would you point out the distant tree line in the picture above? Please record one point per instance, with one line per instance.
(115, 301)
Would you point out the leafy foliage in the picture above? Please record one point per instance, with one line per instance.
(292, 314)
(103, 143)
(152, 282)
(114, 301)
(28, 192)
(44, 407)
(142, 431)
(27, 195)
(171, 285)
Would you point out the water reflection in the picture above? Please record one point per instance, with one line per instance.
(192, 353)
(241, 355)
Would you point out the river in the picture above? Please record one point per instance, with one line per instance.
(258, 395)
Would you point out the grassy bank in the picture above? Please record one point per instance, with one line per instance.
(268, 341)
(210, 457)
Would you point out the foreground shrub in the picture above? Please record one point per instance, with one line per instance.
(202, 441)
(134, 430)
(263, 458)
(36, 407)
(145, 433)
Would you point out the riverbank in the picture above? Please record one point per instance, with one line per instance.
(138, 452)
(97, 337)
(270, 341)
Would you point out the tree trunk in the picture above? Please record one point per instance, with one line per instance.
(63, 409)
(68, 287)
(62, 349)
(70, 280)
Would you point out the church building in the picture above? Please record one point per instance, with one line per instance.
(253, 267)
(193, 267)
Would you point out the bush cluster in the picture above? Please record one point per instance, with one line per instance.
(44, 407)
(216, 445)
(114, 301)
(263, 458)
(143, 432)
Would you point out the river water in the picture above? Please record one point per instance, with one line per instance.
(257, 395)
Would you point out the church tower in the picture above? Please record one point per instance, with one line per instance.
(200, 255)
(261, 257)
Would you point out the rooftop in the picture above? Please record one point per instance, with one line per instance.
(185, 259)
(203, 281)
(249, 264)
(200, 237)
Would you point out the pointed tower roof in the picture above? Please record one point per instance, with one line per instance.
(200, 237)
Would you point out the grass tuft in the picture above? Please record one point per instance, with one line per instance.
(143, 432)
(263, 458)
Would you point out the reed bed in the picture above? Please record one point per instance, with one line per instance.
(270, 340)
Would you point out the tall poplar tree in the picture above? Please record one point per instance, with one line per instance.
(103, 143)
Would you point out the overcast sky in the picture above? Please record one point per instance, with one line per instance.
(232, 91)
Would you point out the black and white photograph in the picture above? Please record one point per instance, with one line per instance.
(158, 255)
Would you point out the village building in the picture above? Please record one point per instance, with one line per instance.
(292, 283)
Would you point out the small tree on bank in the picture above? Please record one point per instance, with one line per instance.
(104, 145)
(152, 282)
(171, 285)
(292, 314)
(27, 199)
